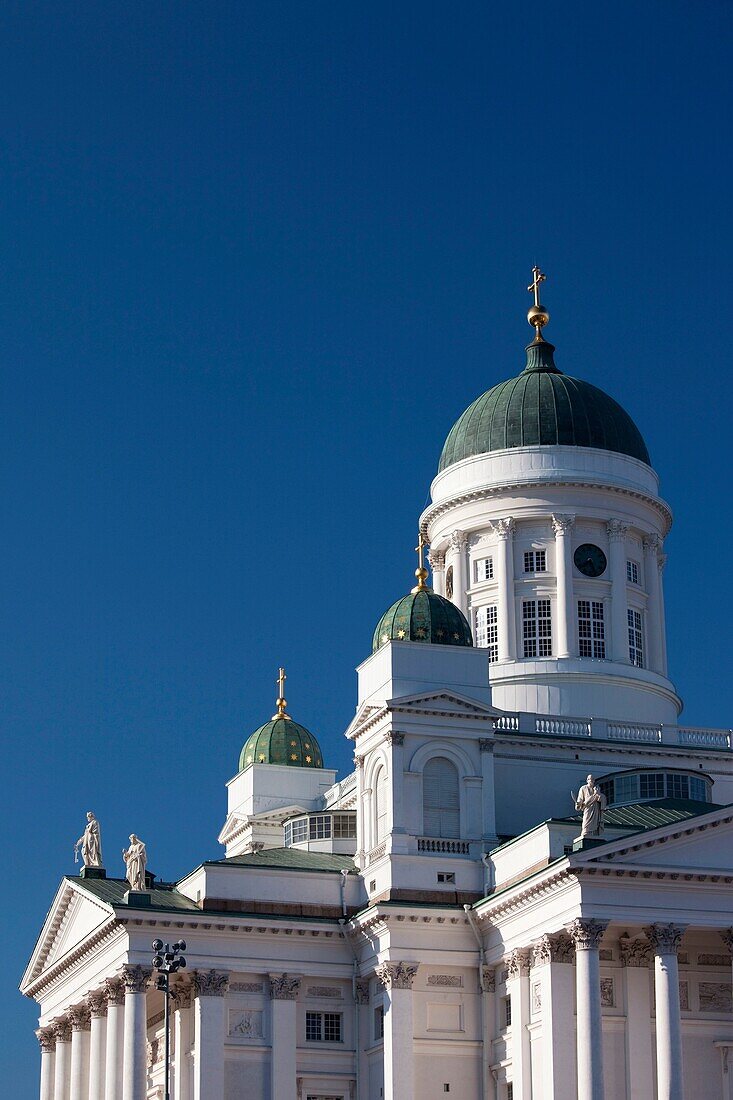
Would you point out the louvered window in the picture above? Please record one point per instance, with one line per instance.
(380, 796)
(441, 813)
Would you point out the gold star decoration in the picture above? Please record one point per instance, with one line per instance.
(385, 637)
(249, 759)
(307, 759)
(420, 633)
(400, 634)
(262, 758)
(307, 745)
(456, 637)
(440, 633)
(292, 744)
(293, 756)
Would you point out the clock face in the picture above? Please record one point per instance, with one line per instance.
(590, 560)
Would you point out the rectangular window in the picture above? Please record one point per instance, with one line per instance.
(323, 1027)
(636, 638)
(632, 572)
(487, 631)
(626, 788)
(320, 827)
(678, 786)
(379, 1022)
(651, 785)
(298, 831)
(510, 1090)
(535, 561)
(537, 628)
(698, 789)
(507, 1012)
(485, 569)
(446, 876)
(344, 826)
(591, 629)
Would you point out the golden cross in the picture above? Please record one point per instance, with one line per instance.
(535, 284)
(421, 544)
(281, 682)
(282, 701)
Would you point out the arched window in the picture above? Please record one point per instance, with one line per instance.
(441, 811)
(381, 796)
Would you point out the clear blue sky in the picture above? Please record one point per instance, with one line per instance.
(255, 259)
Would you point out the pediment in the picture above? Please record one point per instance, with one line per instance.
(447, 703)
(74, 915)
(700, 845)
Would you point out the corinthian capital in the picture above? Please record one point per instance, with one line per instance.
(665, 939)
(284, 987)
(563, 525)
(437, 561)
(518, 963)
(652, 544)
(115, 988)
(458, 540)
(46, 1040)
(97, 1003)
(557, 948)
(62, 1029)
(504, 528)
(616, 530)
(587, 934)
(397, 975)
(136, 978)
(212, 983)
(80, 1018)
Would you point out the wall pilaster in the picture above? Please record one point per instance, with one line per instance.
(399, 1057)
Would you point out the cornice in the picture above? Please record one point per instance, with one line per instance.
(435, 511)
(514, 899)
(109, 931)
(608, 746)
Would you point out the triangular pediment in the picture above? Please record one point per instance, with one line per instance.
(700, 845)
(74, 915)
(447, 703)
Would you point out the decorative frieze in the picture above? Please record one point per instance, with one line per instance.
(115, 989)
(97, 1003)
(586, 933)
(324, 991)
(709, 959)
(46, 1040)
(245, 987)
(136, 978)
(212, 983)
(608, 997)
(684, 996)
(488, 979)
(397, 975)
(634, 952)
(446, 980)
(715, 997)
(245, 1024)
(665, 939)
(361, 991)
(284, 987)
(518, 964)
(80, 1018)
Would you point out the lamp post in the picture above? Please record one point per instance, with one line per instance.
(167, 960)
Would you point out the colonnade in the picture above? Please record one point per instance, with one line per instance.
(456, 559)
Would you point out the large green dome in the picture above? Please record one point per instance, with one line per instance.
(546, 407)
(423, 616)
(282, 741)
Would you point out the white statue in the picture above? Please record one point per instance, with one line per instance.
(90, 843)
(592, 802)
(136, 859)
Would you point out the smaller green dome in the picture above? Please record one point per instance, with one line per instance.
(282, 741)
(423, 616)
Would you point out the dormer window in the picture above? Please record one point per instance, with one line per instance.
(535, 561)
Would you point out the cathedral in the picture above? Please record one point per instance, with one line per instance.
(524, 889)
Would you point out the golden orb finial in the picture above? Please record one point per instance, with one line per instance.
(421, 572)
(282, 701)
(537, 315)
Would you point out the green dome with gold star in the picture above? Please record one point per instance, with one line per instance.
(423, 616)
(281, 741)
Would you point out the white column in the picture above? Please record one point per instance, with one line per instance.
(182, 1042)
(97, 1005)
(552, 968)
(587, 935)
(135, 1044)
(113, 1064)
(505, 607)
(617, 560)
(399, 1055)
(635, 959)
(661, 562)
(665, 940)
(396, 810)
(210, 990)
(362, 1008)
(563, 526)
(47, 1042)
(62, 1068)
(361, 820)
(284, 990)
(518, 989)
(655, 658)
(437, 566)
(488, 992)
(80, 1026)
(488, 794)
(458, 544)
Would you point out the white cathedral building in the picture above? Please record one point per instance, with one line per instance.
(432, 924)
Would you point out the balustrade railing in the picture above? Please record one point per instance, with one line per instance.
(442, 847)
(606, 729)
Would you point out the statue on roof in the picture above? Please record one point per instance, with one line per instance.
(136, 860)
(592, 801)
(90, 843)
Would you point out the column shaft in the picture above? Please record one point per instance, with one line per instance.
(396, 809)
(563, 526)
(488, 794)
(518, 990)
(399, 1054)
(47, 1042)
(135, 1042)
(96, 1058)
(458, 561)
(587, 935)
(553, 969)
(62, 1069)
(619, 648)
(655, 660)
(181, 1071)
(283, 1069)
(638, 1032)
(505, 608)
(113, 1063)
(665, 939)
(79, 1064)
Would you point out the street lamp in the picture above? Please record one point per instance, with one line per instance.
(167, 960)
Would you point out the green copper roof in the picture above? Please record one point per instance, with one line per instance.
(423, 616)
(542, 406)
(291, 859)
(282, 741)
(652, 814)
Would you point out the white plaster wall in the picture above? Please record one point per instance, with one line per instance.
(247, 1076)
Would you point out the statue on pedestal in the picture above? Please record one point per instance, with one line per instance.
(90, 843)
(591, 800)
(136, 859)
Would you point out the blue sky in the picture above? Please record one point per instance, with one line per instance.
(255, 259)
